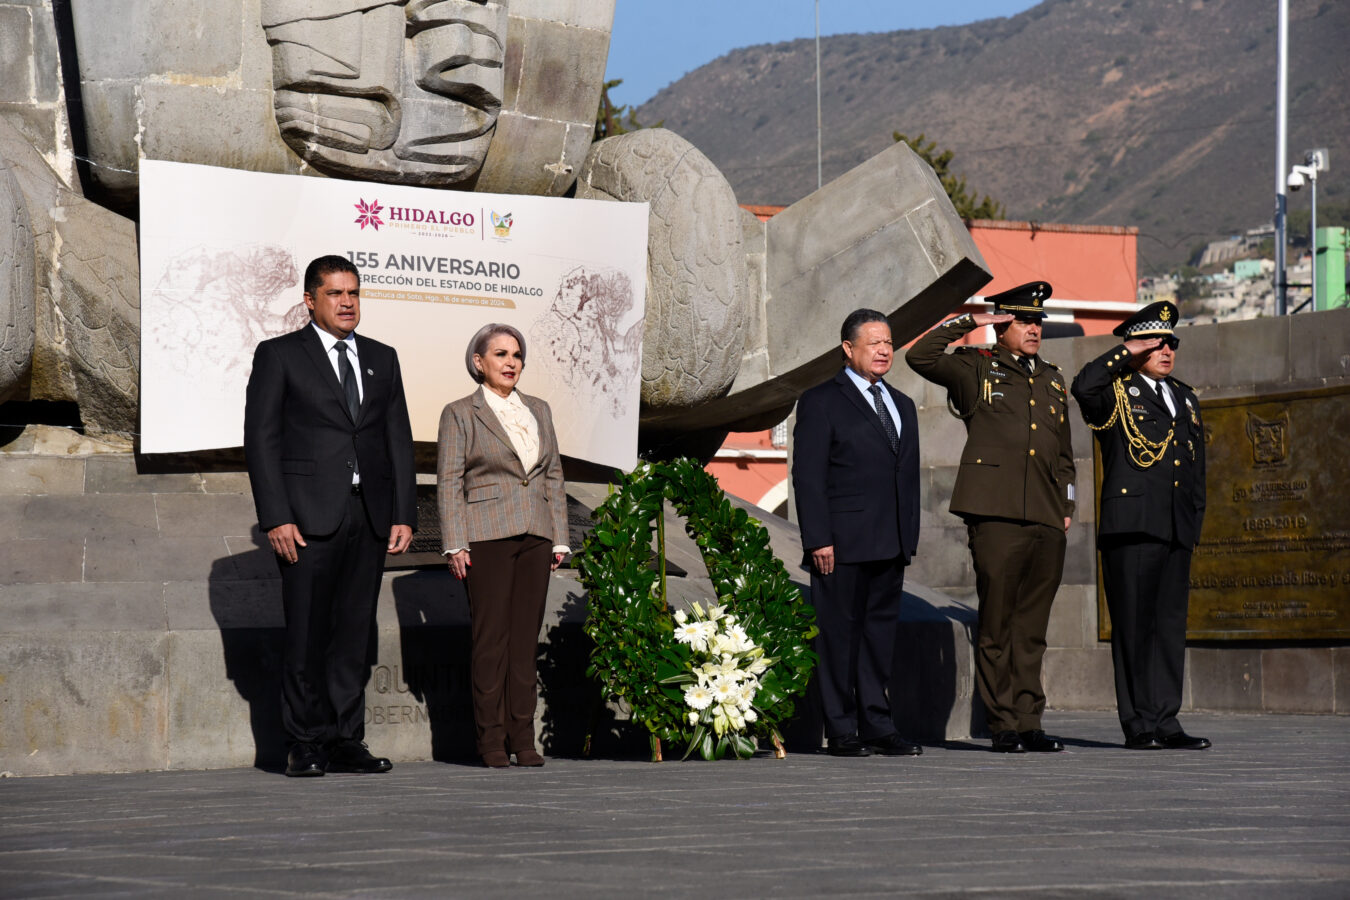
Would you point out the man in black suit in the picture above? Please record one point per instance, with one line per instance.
(855, 475)
(1152, 443)
(330, 458)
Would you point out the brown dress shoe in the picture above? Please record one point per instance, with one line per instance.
(529, 758)
(496, 759)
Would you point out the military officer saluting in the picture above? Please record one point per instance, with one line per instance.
(1015, 492)
(1152, 444)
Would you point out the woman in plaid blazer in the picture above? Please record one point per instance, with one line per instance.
(504, 529)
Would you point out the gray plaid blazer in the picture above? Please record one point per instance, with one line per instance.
(483, 491)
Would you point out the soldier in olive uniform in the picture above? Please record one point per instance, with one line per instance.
(1015, 492)
(1153, 500)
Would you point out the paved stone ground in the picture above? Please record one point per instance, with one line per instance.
(1265, 813)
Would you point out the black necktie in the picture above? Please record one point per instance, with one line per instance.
(1025, 363)
(348, 378)
(887, 423)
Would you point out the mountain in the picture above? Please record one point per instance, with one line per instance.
(1153, 113)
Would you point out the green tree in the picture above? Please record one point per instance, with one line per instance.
(967, 204)
(611, 120)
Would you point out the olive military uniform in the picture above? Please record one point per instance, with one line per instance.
(1152, 505)
(1014, 489)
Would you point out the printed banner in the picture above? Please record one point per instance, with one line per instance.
(223, 254)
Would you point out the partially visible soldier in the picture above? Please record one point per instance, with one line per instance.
(1147, 424)
(1015, 491)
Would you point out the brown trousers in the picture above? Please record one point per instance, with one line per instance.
(507, 586)
(1018, 566)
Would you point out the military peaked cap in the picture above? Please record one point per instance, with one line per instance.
(1026, 301)
(1155, 320)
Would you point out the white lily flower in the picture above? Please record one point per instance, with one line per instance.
(680, 616)
(694, 716)
(751, 715)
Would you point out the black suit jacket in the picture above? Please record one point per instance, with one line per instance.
(1167, 499)
(301, 443)
(852, 491)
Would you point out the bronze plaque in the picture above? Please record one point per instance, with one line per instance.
(1274, 555)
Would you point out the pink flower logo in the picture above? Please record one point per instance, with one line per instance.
(369, 214)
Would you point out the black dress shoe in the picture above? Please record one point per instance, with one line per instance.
(1039, 742)
(304, 761)
(1008, 742)
(1183, 741)
(848, 745)
(352, 758)
(893, 745)
(1144, 740)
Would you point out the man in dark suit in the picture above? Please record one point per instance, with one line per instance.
(1152, 444)
(855, 475)
(1015, 492)
(330, 458)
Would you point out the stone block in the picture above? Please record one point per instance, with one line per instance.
(1068, 618)
(1340, 673)
(221, 604)
(1200, 361)
(16, 55)
(1078, 679)
(42, 609)
(108, 108)
(234, 128)
(249, 558)
(1080, 556)
(161, 37)
(596, 14)
(1226, 679)
(109, 558)
(41, 475)
(196, 514)
(561, 69)
(1320, 343)
(55, 516)
(942, 560)
(46, 59)
(938, 482)
(86, 701)
(1085, 487)
(224, 706)
(1254, 352)
(1297, 680)
(118, 475)
(933, 675)
(505, 172)
(41, 561)
(942, 437)
(226, 483)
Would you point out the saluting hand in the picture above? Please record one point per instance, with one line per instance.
(1137, 347)
(992, 318)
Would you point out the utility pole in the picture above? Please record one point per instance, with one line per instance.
(1281, 126)
(820, 181)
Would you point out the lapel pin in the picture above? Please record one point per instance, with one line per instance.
(1134, 391)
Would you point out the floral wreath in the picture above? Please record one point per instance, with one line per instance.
(715, 677)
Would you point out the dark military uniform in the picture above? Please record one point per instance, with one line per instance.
(1152, 505)
(1014, 489)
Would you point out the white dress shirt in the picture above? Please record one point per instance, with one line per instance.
(863, 385)
(1162, 390)
(329, 342)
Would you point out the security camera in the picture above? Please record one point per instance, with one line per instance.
(1295, 180)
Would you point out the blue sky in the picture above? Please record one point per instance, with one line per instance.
(656, 42)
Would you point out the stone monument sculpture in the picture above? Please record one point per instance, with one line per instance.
(455, 94)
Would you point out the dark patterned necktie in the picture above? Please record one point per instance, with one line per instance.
(887, 423)
(1025, 363)
(348, 378)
